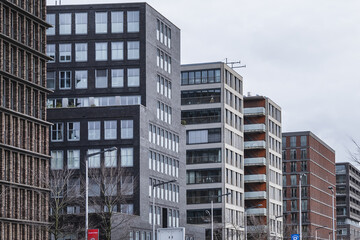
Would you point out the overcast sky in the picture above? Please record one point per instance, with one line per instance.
(303, 54)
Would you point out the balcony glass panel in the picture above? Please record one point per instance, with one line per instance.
(254, 111)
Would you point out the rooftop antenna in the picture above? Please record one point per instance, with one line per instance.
(236, 64)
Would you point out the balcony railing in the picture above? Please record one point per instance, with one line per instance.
(255, 195)
(255, 161)
(203, 219)
(202, 199)
(254, 144)
(200, 120)
(256, 211)
(255, 178)
(200, 160)
(254, 128)
(207, 179)
(254, 111)
(200, 100)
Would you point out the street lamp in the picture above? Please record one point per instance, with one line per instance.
(245, 216)
(154, 212)
(332, 209)
(300, 220)
(316, 229)
(87, 156)
(212, 212)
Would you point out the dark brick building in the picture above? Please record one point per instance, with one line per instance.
(24, 130)
(306, 155)
(116, 82)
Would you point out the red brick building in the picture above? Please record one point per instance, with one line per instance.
(307, 155)
(24, 131)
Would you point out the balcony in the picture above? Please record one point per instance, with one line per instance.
(254, 128)
(261, 161)
(254, 111)
(254, 144)
(256, 211)
(255, 195)
(255, 178)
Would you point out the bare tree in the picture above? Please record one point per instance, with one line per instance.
(256, 228)
(65, 201)
(109, 189)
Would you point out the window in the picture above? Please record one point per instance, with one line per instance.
(57, 132)
(101, 80)
(133, 21)
(94, 130)
(73, 159)
(127, 129)
(133, 77)
(65, 80)
(133, 50)
(293, 180)
(303, 154)
(127, 208)
(101, 51)
(81, 52)
(81, 79)
(73, 133)
(57, 159)
(111, 159)
(101, 22)
(117, 22)
(303, 141)
(94, 161)
(80, 23)
(50, 18)
(293, 154)
(65, 52)
(126, 157)
(94, 190)
(110, 129)
(203, 136)
(65, 23)
(50, 80)
(293, 141)
(117, 77)
(117, 51)
(50, 51)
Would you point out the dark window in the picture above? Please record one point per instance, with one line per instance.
(203, 216)
(204, 96)
(200, 196)
(201, 116)
(203, 156)
(200, 77)
(203, 176)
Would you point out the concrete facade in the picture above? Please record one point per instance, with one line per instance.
(24, 143)
(305, 153)
(150, 100)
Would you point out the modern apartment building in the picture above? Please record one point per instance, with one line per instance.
(116, 80)
(263, 167)
(347, 201)
(24, 153)
(211, 111)
(308, 159)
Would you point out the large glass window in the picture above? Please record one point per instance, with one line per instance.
(303, 141)
(204, 136)
(111, 159)
(65, 79)
(117, 19)
(65, 52)
(94, 161)
(80, 23)
(117, 77)
(127, 129)
(293, 141)
(73, 159)
(110, 129)
(133, 77)
(101, 51)
(50, 51)
(81, 79)
(204, 96)
(57, 160)
(203, 156)
(50, 18)
(117, 51)
(127, 157)
(50, 80)
(57, 130)
(133, 51)
(81, 52)
(73, 133)
(101, 79)
(127, 185)
(65, 23)
(203, 176)
(94, 130)
(201, 116)
(133, 21)
(200, 77)
(101, 22)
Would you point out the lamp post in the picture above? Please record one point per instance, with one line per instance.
(87, 156)
(212, 212)
(332, 209)
(154, 211)
(300, 220)
(316, 229)
(245, 217)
